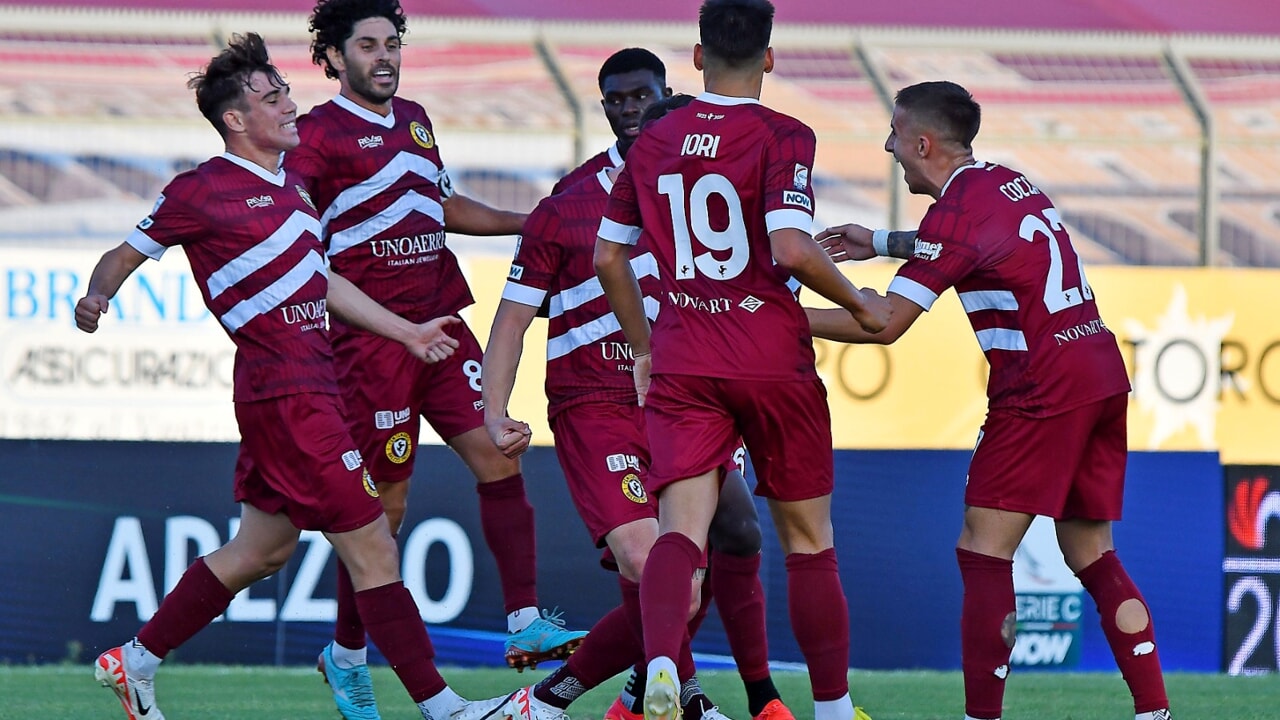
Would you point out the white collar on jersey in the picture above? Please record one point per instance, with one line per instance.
(714, 99)
(276, 178)
(389, 121)
(962, 168)
(615, 155)
(605, 182)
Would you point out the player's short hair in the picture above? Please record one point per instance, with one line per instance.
(630, 60)
(944, 107)
(659, 110)
(333, 21)
(223, 81)
(735, 31)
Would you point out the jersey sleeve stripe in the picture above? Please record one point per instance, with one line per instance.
(395, 212)
(523, 294)
(257, 257)
(788, 218)
(913, 291)
(587, 333)
(642, 265)
(400, 165)
(978, 300)
(618, 233)
(1001, 339)
(274, 294)
(143, 243)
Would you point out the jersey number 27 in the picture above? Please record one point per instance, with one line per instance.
(1056, 297)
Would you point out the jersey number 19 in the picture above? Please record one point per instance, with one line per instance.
(698, 222)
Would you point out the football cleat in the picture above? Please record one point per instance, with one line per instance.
(137, 695)
(480, 709)
(662, 698)
(522, 705)
(713, 713)
(776, 710)
(860, 714)
(544, 639)
(619, 711)
(352, 687)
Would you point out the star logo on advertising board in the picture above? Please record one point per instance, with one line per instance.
(1178, 370)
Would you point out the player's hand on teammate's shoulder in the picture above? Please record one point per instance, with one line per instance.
(511, 436)
(846, 242)
(640, 371)
(89, 309)
(874, 312)
(431, 343)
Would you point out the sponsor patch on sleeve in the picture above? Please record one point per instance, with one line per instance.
(800, 179)
(445, 183)
(799, 199)
(516, 272)
(149, 220)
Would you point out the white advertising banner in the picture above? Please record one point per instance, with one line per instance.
(159, 367)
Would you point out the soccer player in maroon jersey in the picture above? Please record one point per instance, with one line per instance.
(252, 237)
(372, 163)
(1054, 441)
(599, 439)
(720, 191)
(630, 80)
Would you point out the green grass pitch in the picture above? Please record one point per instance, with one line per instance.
(206, 692)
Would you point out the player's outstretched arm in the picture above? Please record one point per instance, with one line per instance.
(838, 325)
(613, 267)
(472, 217)
(115, 266)
(808, 263)
(427, 341)
(855, 242)
(501, 359)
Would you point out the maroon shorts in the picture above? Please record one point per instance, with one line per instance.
(297, 458)
(694, 423)
(386, 389)
(605, 458)
(1067, 466)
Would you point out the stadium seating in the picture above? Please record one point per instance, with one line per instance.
(1108, 134)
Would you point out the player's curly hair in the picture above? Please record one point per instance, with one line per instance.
(333, 21)
(735, 32)
(224, 80)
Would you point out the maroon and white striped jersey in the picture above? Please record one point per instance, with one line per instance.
(588, 358)
(253, 241)
(378, 183)
(1001, 243)
(702, 188)
(610, 158)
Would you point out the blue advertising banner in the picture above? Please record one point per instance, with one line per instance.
(96, 532)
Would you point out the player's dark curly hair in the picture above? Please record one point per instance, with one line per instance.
(944, 107)
(333, 21)
(224, 80)
(735, 32)
(630, 60)
(659, 110)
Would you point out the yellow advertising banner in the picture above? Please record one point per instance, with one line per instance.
(1202, 347)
